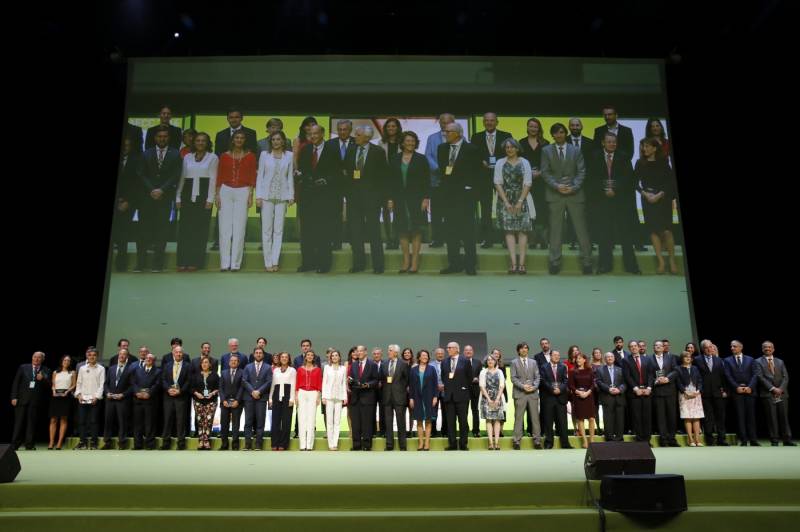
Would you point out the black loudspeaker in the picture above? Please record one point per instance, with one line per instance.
(618, 458)
(643, 494)
(9, 463)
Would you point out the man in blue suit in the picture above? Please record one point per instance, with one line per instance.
(257, 380)
(231, 395)
(146, 383)
(363, 384)
(175, 381)
(118, 393)
(741, 375)
(437, 198)
(233, 350)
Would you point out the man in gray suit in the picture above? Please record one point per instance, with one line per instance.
(525, 380)
(773, 383)
(564, 171)
(611, 384)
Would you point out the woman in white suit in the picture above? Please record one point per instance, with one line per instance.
(274, 194)
(334, 396)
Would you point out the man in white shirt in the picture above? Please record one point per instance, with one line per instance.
(88, 391)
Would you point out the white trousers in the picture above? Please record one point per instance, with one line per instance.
(306, 417)
(232, 222)
(272, 217)
(333, 418)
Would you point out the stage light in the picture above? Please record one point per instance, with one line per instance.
(176, 34)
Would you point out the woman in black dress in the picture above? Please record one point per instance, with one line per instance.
(409, 189)
(531, 149)
(64, 381)
(656, 184)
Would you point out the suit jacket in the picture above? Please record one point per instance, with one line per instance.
(165, 178)
(624, 138)
(212, 381)
(373, 184)
(540, 359)
(467, 172)
(230, 389)
(714, 382)
(299, 359)
(588, 146)
(226, 358)
(603, 380)
(432, 155)
(396, 393)
(571, 171)
(520, 375)
(123, 385)
(767, 379)
(167, 359)
(631, 372)
(475, 386)
(670, 369)
(129, 187)
(214, 364)
(456, 389)
(548, 382)
(417, 181)
(619, 359)
(175, 137)
(222, 142)
(184, 377)
(425, 393)
(689, 376)
(141, 380)
(134, 133)
(744, 376)
(623, 204)
(363, 396)
(326, 178)
(479, 141)
(21, 390)
(260, 382)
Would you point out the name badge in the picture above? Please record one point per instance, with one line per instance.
(32, 385)
(452, 374)
(492, 160)
(388, 380)
(448, 170)
(356, 174)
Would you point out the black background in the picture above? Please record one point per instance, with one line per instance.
(731, 120)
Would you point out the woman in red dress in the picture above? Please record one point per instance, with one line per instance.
(582, 387)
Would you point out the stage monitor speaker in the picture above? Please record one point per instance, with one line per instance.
(9, 463)
(477, 340)
(643, 494)
(618, 458)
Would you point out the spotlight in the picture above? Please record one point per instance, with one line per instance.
(176, 34)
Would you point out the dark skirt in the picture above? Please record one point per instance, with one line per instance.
(61, 406)
(193, 227)
(657, 216)
(408, 214)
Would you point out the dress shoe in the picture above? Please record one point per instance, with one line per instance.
(587, 270)
(377, 270)
(537, 445)
(355, 448)
(601, 271)
(476, 435)
(389, 448)
(754, 443)
(471, 271)
(355, 269)
(165, 446)
(436, 244)
(449, 448)
(742, 444)
(323, 270)
(302, 269)
(554, 269)
(567, 446)
(450, 269)
(637, 271)
(80, 447)
(465, 448)
(548, 445)
(722, 443)
(486, 244)
(515, 446)
(789, 443)
(138, 447)
(235, 445)
(775, 444)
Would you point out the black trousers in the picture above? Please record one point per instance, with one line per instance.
(485, 193)
(444, 417)
(89, 415)
(553, 412)
(315, 212)
(746, 416)
(121, 232)
(457, 410)
(474, 397)
(153, 230)
(25, 418)
(459, 227)
(117, 411)
(392, 413)
(255, 417)
(437, 214)
(175, 411)
(613, 416)
(641, 416)
(714, 418)
(381, 417)
(193, 232)
(363, 419)
(144, 423)
(226, 416)
(611, 228)
(666, 416)
(363, 221)
(337, 225)
(281, 420)
(777, 415)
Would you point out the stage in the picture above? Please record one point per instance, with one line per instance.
(478, 490)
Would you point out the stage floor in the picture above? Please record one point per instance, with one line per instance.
(186, 490)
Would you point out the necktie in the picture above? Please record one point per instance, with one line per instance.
(233, 374)
(147, 370)
(160, 158)
(141, 364)
(490, 141)
(608, 164)
(771, 365)
(391, 368)
(611, 375)
(639, 367)
(739, 360)
(360, 369)
(561, 153)
(555, 374)
(343, 149)
(314, 157)
(119, 372)
(525, 364)
(452, 159)
(709, 363)
(258, 368)
(176, 369)
(361, 155)
(577, 142)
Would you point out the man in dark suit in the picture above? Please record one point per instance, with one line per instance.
(490, 145)
(714, 393)
(393, 378)
(576, 138)
(146, 384)
(456, 377)
(611, 199)
(543, 356)
(231, 393)
(773, 389)
(564, 172)
(320, 182)
(256, 380)
(611, 386)
(366, 191)
(28, 392)
(159, 173)
(460, 171)
(554, 393)
(222, 141)
(233, 351)
(742, 380)
(205, 352)
(134, 133)
(640, 374)
(665, 394)
(343, 144)
(129, 192)
(305, 347)
(175, 379)
(174, 133)
(118, 392)
(624, 134)
(122, 343)
(167, 357)
(620, 353)
(363, 384)
(474, 390)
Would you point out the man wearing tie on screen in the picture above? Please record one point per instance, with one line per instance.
(31, 382)
(457, 377)
(362, 383)
(490, 143)
(437, 199)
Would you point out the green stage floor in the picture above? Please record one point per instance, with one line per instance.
(726, 487)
